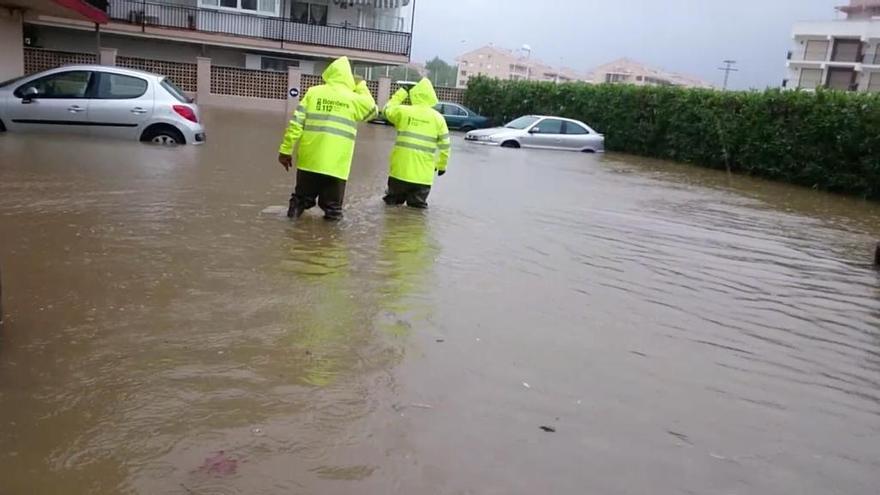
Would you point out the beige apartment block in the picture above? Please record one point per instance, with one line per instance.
(501, 63)
(628, 71)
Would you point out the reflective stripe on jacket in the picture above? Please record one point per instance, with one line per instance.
(422, 145)
(325, 123)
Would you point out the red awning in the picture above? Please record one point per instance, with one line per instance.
(85, 9)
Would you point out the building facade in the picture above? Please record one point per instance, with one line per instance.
(499, 63)
(628, 71)
(268, 35)
(12, 25)
(839, 54)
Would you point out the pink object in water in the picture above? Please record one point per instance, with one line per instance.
(220, 465)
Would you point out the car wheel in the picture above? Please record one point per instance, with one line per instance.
(163, 135)
(588, 150)
(510, 144)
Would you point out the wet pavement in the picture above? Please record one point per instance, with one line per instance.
(681, 330)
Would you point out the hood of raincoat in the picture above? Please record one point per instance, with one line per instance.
(423, 94)
(339, 72)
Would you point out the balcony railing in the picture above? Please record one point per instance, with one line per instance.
(279, 29)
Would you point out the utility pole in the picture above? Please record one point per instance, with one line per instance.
(727, 69)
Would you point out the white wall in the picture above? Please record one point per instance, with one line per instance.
(863, 29)
(12, 54)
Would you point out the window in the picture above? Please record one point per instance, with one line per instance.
(874, 83)
(639, 78)
(266, 7)
(841, 79)
(847, 51)
(454, 111)
(810, 78)
(615, 78)
(463, 82)
(71, 84)
(549, 126)
(309, 13)
(175, 91)
(463, 73)
(572, 128)
(521, 123)
(816, 50)
(119, 87)
(277, 64)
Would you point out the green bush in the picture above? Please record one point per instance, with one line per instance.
(827, 140)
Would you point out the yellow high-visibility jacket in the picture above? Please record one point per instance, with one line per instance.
(421, 133)
(325, 123)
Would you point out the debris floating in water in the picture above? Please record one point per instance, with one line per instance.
(526, 385)
(220, 465)
(275, 210)
(548, 429)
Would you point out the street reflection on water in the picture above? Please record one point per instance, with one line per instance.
(681, 329)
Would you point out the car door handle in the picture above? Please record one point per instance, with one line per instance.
(75, 109)
(138, 110)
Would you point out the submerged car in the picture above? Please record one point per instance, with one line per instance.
(538, 131)
(461, 118)
(96, 100)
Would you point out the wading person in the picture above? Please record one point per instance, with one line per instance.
(325, 125)
(422, 146)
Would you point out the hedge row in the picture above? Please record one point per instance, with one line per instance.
(827, 140)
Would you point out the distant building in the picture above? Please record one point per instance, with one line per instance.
(500, 63)
(628, 71)
(838, 54)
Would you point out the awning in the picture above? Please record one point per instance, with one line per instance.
(378, 4)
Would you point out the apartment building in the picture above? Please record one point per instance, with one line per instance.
(841, 54)
(628, 71)
(500, 63)
(268, 35)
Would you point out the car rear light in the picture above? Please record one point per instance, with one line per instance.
(186, 112)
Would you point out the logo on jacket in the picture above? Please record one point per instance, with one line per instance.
(417, 121)
(329, 106)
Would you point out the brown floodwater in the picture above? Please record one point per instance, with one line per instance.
(682, 330)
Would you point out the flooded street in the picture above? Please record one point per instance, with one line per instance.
(683, 331)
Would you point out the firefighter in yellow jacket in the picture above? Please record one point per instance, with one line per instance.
(325, 124)
(422, 146)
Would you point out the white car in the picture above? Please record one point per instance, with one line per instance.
(98, 100)
(539, 131)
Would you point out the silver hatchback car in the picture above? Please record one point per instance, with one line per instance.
(538, 131)
(99, 100)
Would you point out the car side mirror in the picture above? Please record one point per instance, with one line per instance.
(30, 94)
(534, 130)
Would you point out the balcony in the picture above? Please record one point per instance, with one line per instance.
(277, 29)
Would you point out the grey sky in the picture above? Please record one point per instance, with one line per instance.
(690, 36)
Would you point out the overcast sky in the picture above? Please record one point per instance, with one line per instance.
(689, 36)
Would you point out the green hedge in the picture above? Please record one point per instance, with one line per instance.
(828, 140)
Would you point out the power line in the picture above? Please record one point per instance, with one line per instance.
(727, 69)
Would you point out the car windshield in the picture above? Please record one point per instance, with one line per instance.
(175, 91)
(521, 123)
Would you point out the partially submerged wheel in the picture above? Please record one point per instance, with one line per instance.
(510, 144)
(163, 136)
